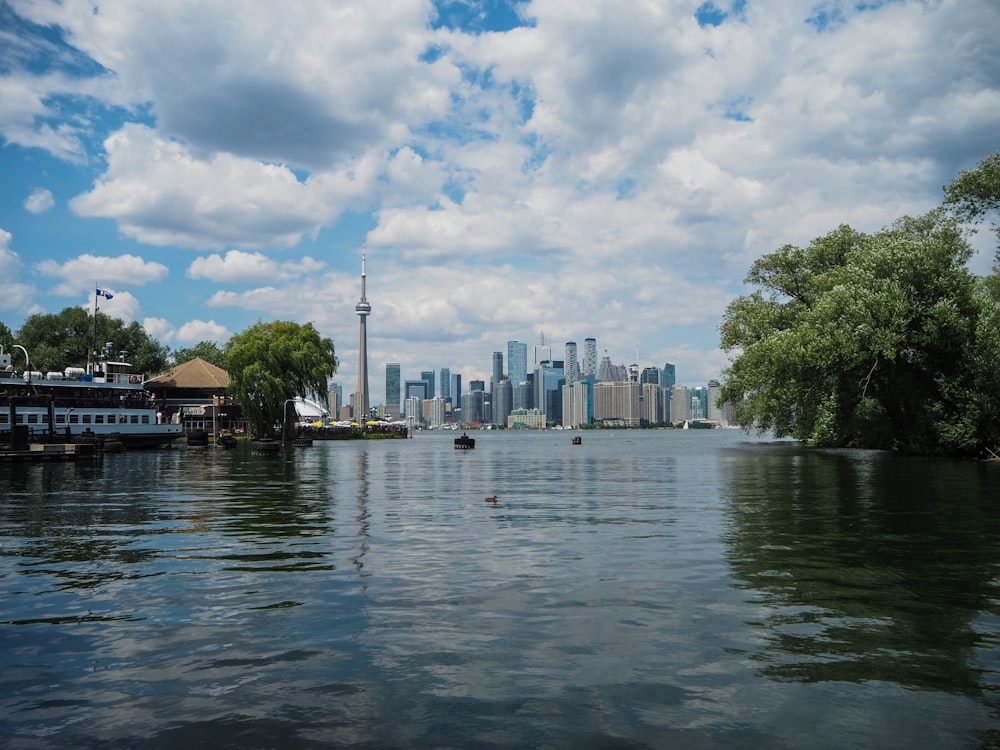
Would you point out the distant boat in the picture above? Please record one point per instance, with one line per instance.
(464, 442)
(577, 440)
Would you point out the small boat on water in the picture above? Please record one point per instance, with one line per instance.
(106, 401)
(577, 440)
(465, 442)
(226, 439)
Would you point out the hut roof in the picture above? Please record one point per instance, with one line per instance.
(196, 373)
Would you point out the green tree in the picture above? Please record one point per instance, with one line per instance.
(269, 363)
(861, 340)
(6, 338)
(58, 340)
(976, 192)
(206, 350)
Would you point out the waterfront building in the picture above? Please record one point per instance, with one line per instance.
(699, 402)
(572, 368)
(361, 402)
(526, 419)
(680, 404)
(436, 416)
(590, 358)
(651, 397)
(578, 403)
(617, 402)
(714, 409)
(392, 383)
(503, 401)
(413, 415)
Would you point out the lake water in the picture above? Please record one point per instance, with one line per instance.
(646, 589)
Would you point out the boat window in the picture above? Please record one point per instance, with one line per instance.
(145, 419)
(60, 419)
(45, 419)
(74, 419)
(4, 418)
(20, 419)
(98, 419)
(86, 419)
(32, 419)
(111, 419)
(135, 419)
(123, 419)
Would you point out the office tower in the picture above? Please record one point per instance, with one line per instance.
(699, 402)
(446, 384)
(669, 379)
(392, 382)
(335, 399)
(578, 403)
(497, 370)
(548, 394)
(541, 354)
(477, 385)
(428, 376)
(650, 375)
(472, 407)
(503, 401)
(456, 389)
(571, 367)
(715, 412)
(633, 373)
(680, 404)
(523, 398)
(607, 372)
(590, 358)
(617, 401)
(517, 362)
(413, 416)
(415, 389)
(436, 411)
(361, 401)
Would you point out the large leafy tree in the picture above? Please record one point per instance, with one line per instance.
(206, 350)
(6, 338)
(865, 340)
(58, 340)
(269, 363)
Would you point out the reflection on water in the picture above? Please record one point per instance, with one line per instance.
(661, 589)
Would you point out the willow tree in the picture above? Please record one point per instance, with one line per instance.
(861, 340)
(270, 363)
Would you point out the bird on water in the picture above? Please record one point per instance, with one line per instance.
(490, 499)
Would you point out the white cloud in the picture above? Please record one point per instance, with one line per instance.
(90, 271)
(238, 266)
(201, 330)
(122, 305)
(17, 296)
(39, 201)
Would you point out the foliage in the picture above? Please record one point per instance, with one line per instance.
(269, 363)
(58, 340)
(6, 338)
(976, 192)
(877, 341)
(206, 350)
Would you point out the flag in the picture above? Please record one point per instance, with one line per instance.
(105, 293)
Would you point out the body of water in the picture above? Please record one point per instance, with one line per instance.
(646, 589)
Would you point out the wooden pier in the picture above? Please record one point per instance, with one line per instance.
(51, 452)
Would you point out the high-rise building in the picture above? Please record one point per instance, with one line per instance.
(456, 390)
(497, 371)
(578, 403)
(617, 401)
(548, 394)
(361, 402)
(571, 367)
(607, 372)
(541, 354)
(436, 412)
(335, 398)
(715, 412)
(517, 362)
(590, 357)
(669, 379)
(699, 402)
(503, 401)
(680, 404)
(392, 382)
(428, 377)
(415, 389)
(446, 384)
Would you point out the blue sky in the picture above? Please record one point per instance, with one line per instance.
(515, 170)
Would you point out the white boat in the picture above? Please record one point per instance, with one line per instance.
(77, 404)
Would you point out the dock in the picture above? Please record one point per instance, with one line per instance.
(51, 452)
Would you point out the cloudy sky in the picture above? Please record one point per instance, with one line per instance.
(607, 168)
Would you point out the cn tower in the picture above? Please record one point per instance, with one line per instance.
(362, 407)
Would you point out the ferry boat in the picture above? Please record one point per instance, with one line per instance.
(70, 406)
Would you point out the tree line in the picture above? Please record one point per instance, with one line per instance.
(883, 340)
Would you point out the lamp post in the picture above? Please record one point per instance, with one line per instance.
(27, 361)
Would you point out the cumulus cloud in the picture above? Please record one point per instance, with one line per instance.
(17, 296)
(122, 305)
(238, 266)
(202, 330)
(39, 201)
(88, 270)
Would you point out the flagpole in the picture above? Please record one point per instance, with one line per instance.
(93, 351)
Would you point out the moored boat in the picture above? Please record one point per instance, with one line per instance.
(106, 401)
(465, 442)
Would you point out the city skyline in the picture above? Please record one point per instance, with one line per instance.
(512, 168)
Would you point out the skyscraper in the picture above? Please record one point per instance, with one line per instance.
(392, 381)
(362, 404)
(497, 371)
(572, 368)
(517, 362)
(428, 375)
(590, 357)
(446, 383)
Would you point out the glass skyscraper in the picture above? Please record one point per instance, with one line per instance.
(590, 357)
(392, 383)
(517, 362)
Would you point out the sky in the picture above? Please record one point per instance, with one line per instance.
(547, 170)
